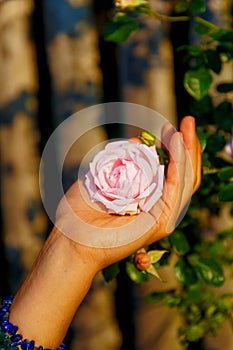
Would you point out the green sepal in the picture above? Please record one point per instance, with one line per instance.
(152, 270)
(163, 155)
(156, 255)
(147, 137)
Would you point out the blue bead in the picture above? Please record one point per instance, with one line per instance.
(16, 343)
(40, 348)
(7, 326)
(24, 345)
(3, 311)
(8, 300)
(28, 345)
(16, 337)
(62, 347)
(13, 330)
(31, 345)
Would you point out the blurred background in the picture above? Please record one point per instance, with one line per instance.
(54, 62)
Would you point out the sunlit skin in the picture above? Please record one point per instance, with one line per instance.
(64, 270)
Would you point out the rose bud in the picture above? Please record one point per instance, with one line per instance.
(142, 261)
(147, 138)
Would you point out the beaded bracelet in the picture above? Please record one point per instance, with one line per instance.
(9, 338)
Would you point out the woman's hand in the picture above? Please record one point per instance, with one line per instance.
(114, 237)
(64, 270)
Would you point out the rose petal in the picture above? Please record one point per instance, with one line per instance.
(126, 177)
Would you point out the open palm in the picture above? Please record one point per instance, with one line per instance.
(109, 238)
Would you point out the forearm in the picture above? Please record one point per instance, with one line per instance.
(48, 299)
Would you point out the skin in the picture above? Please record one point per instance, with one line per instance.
(63, 272)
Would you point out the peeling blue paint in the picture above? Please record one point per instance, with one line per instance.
(61, 17)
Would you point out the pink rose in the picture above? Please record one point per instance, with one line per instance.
(126, 177)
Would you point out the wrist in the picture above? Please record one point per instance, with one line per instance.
(76, 253)
(48, 299)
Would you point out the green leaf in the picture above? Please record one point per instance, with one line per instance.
(195, 293)
(226, 234)
(193, 314)
(226, 173)
(196, 332)
(216, 321)
(223, 116)
(156, 297)
(165, 243)
(197, 6)
(120, 28)
(198, 82)
(210, 311)
(173, 301)
(226, 51)
(215, 143)
(208, 269)
(181, 7)
(179, 242)
(226, 194)
(201, 29)
(202, 138)
(203, 110)
(225, 87)
(208, 297)
(111, 272)
(184, 273)
(213, 60)
(134, 274)
(224, 302)
(156, 255)
(193, 50)
(223, 35)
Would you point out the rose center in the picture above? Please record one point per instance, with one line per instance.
(125, 177)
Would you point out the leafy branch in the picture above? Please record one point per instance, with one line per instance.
(126, 20)
(202, 261)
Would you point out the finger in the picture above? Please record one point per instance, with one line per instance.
(187, 127)
(174, 185)
(167, 131)
(199, 168)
